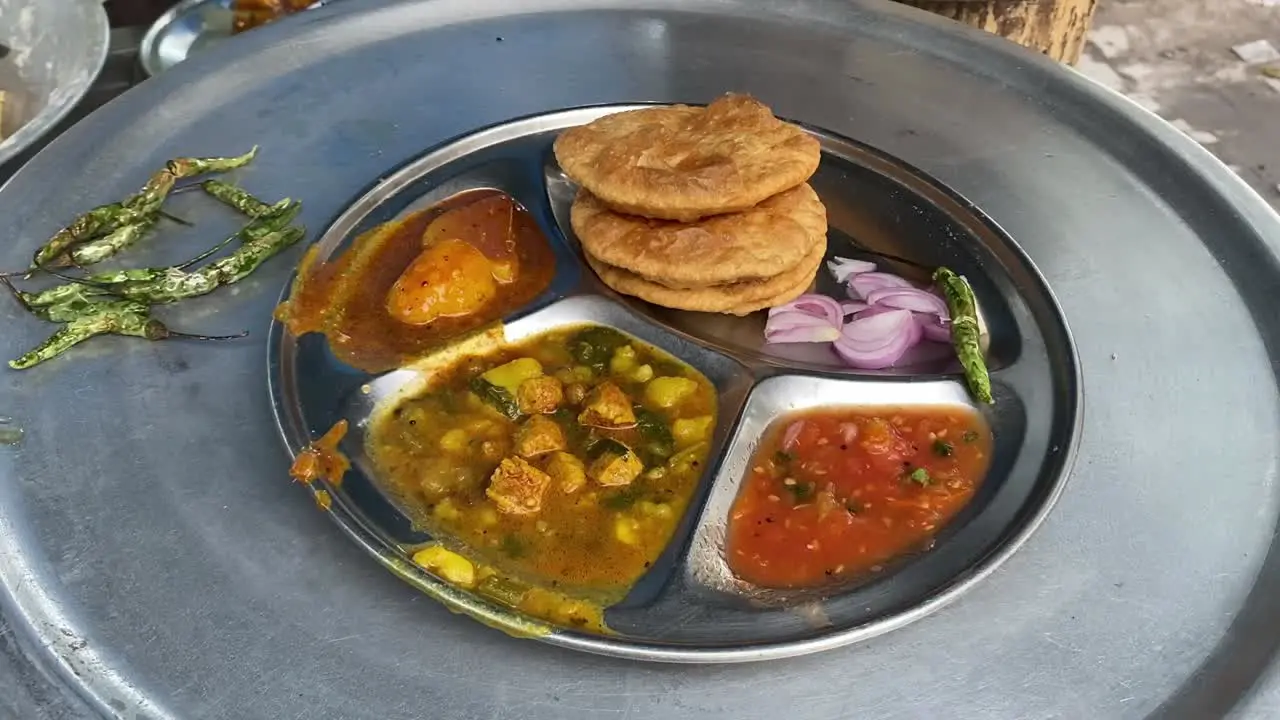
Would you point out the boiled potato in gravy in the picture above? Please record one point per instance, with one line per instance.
(408, 287)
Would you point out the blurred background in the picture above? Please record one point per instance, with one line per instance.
(1210, 67)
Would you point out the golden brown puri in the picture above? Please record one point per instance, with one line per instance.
(685, 163)
(782, 298)
(757, 243)
(735, 298)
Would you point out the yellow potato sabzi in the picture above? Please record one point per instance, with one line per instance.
(563, 462)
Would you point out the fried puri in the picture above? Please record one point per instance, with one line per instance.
(755, 244)
(740, 298)
(684, 163)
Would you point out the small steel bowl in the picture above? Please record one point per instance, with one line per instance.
(188, 27)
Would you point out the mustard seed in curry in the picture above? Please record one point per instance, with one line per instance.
(564, 461)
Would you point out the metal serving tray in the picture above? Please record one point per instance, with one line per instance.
(156, 563)
(688, 607)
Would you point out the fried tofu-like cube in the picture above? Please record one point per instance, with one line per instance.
(540, 395)
(614, 468)
(607, 406)
(517, 487)
(568, 472)
(539, 435)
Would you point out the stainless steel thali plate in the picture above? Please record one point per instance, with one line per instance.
(156, 563)
(688, 607)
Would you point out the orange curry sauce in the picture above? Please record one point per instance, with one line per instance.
(249, 14)
(406, 286)
(322, 460)
(838, 492)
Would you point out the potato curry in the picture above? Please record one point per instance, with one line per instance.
(407, 286)
(564, 461)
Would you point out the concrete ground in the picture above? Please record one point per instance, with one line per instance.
(1176, 58)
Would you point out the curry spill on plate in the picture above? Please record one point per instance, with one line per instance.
(250, 14)
(553, 471)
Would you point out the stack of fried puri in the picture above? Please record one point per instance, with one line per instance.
(693, 208)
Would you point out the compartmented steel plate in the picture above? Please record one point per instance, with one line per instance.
(689, 607)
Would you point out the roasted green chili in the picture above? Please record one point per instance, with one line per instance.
(140, 210)
(119, 317)
(119, 302)
(964, 331)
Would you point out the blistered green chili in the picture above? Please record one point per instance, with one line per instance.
(119, 317)
(140, 209)
(965, 335)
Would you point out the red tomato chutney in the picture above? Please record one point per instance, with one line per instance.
(839, 491)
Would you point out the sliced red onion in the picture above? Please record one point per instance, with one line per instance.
(794, 317)
(815, 305)
(916, 332)
(934, 328)
(852, 307)
(878, 341)
(792, 435)
(863, 284)
(844, 268)
(794, 320)
(912, 299)
(873, 311)
(881, 325)
(795, 326)
(926, 353)
(802, 334)
(875, 330)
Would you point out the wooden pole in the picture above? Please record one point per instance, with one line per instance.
(1054, 27)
